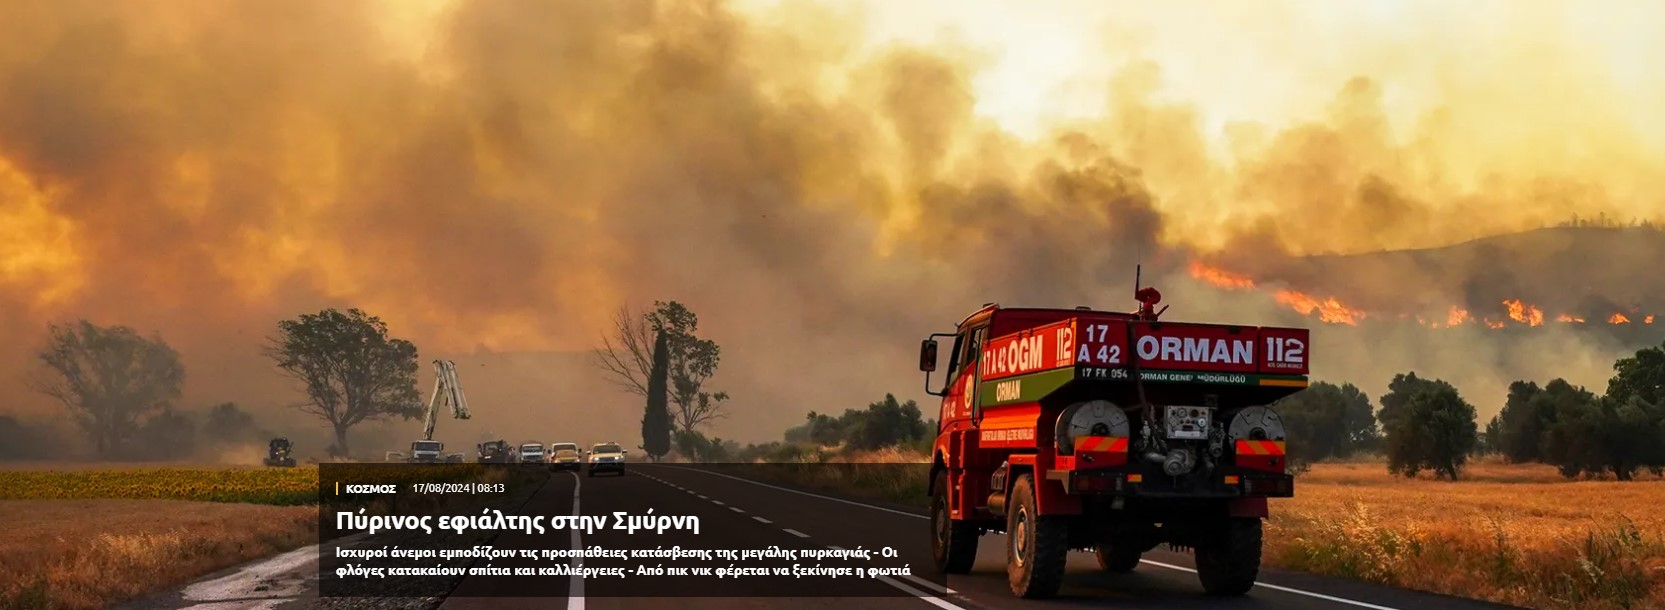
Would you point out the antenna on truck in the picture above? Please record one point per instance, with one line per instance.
(1147, 297)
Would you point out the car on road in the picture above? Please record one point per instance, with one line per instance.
(565, 456)
(531, 452)
(607, 457)
(496, 452)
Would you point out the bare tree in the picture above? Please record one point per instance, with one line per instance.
(626, 356)
(627, 353)
(109, 378)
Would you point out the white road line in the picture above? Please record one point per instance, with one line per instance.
(702, 497)
(1332, 598)
(718, 502)
(1339, 600)
(931, 599)
(802, 493)
(916, 580)
(928, 584)
(737, 509)
(575, 590)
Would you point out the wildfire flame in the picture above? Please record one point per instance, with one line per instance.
(1332, 311)
(1456, 316)
(1523, 313)
(1329, 310)
(1221, 278)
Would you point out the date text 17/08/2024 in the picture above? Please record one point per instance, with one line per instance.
(424, 488)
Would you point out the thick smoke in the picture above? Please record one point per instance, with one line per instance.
(501, 179)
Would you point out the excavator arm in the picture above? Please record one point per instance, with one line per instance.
(447, 390)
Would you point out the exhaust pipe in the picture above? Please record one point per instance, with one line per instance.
(997, 503)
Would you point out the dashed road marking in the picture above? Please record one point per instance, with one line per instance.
(575, 595)
(923, 595)
(1339, 600)
(736, 509)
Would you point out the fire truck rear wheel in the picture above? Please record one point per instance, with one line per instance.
(1036, 545)
(1231, 564)
(953, 543)
(1117, 558)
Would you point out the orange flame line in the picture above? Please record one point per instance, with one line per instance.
(1221, 278)
(1330, 310)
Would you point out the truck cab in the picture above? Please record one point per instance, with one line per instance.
(1112, 432)
(426, 451)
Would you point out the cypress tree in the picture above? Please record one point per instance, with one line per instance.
(656, 421)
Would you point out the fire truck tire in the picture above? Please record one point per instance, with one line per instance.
(1036, 545)
(953, 543)
(1117, 558)
(1231, 565)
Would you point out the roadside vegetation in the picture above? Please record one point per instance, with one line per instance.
(89, 554)
(272, 486)
(1518, 534)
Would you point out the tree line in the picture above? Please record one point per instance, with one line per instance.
(121, 388)
(1426, 425)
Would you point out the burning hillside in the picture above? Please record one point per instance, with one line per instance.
(1345, 297)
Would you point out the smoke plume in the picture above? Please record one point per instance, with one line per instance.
(822, 183)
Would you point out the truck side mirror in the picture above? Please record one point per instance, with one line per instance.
(928, 355)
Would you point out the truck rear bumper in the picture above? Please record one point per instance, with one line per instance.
(1224, 485)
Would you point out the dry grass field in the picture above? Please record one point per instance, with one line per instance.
(86, 535)
(1514, 534)
(86, 554)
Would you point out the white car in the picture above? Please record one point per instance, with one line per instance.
(531, 453)
(607, 457)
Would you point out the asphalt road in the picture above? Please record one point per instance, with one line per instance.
(747, 514)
